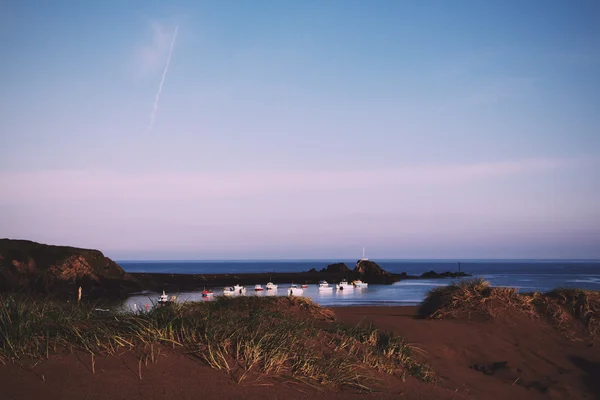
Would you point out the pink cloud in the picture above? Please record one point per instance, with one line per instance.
(106, 184)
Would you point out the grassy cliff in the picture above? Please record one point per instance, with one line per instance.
(34, 267)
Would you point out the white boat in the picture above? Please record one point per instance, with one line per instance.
(239, 289)
(294, 290)
(360, 284)
(207, 293)
(229, 290)
(258, 288)
(323, 285)
(271, 286)
(164, 299)
(344, 285)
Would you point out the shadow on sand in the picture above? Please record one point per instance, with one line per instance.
(592, 373)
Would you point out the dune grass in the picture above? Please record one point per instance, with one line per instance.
(477, 298)
(564, 304)
(381, 350)
(284, 336)
(472, 298)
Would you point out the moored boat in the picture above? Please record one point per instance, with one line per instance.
(360, 284)
(164, 299)
(239, 289)
(271, 286)
(258, 288)
(229, 290)
(304, 286)
(344, 285)
(323, 285)
(294, 290)
(207, 293)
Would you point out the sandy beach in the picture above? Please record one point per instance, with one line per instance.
(513, 357)
(540, 361)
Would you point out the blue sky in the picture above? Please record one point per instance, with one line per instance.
(302, 129)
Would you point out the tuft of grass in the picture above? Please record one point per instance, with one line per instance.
(476, 297)
(381, 350)
(562, 305)
(244, 336)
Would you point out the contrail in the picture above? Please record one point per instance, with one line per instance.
(162, 81)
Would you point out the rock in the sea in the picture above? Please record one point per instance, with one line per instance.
(366, 267)
(337, 268)
(370, 271)
(447, 274)
(31, 266)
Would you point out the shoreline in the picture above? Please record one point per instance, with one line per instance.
(189, 282)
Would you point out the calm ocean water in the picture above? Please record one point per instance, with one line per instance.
(525, 275)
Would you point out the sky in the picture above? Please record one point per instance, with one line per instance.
(298, 130)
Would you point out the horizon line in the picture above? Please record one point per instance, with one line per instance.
(358, 259)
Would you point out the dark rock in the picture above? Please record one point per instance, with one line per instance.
(447, 274)
(371, 272)
(365, 268)
(312, 271)
(337, 268)
(35, 267)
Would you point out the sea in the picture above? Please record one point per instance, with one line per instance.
(524, 275)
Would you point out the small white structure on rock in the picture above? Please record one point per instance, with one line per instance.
(363, 257)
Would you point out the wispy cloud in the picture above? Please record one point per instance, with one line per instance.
(150, 57)
(424, 206)
(100, 184)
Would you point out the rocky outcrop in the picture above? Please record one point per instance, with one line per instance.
(337, 268)
(447, 274)
(35, 267)
(370, 271)
(366, 269)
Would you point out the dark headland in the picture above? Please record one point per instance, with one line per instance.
(33, 267)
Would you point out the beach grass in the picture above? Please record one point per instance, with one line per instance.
(476, 298)
(563, 305)
(383, 351)
(245, 336)
(472, 298)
